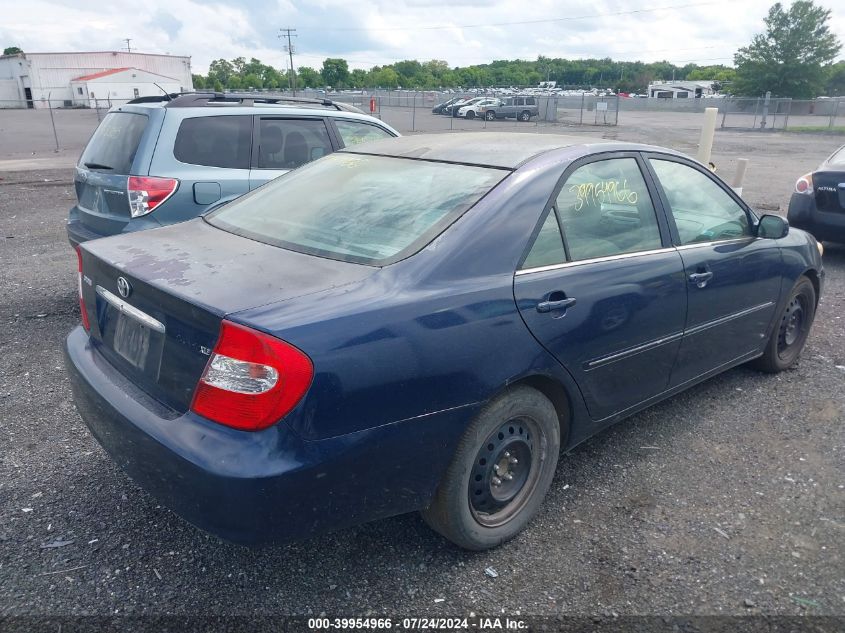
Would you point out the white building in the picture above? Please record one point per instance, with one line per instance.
(119, 85)
(681, 89)
(28, 79)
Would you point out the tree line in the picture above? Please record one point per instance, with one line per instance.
(793, 57)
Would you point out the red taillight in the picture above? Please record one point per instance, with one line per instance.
(85, 323)
(252, 379)
(804, 184)
(146, 193)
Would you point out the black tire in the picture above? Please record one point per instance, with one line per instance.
(791, 329)
(490, 115)
(470, 114)
(469, 508)
(525, 115)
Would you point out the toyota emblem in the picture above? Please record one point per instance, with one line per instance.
(124, 287)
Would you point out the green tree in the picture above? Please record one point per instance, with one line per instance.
(198, 81)
(335, 72)
(358, 79)
(384, 77)
(308, 77)
(252, 81)
(789, 58)
(836, 79)
(12, 50)
(221, 70)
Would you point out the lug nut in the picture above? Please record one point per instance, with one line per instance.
(507, 476)
(513, 460)
(496, 481)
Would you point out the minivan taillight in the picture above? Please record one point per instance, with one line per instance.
(83, 311)
(252, 379)
(146, 193)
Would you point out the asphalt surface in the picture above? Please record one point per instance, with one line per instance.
(727, 499)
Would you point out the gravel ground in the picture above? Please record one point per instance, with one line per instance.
(727, 499)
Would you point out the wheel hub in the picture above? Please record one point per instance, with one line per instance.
(502, 468)
(791, 324)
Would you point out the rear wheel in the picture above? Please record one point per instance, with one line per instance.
(791, 330)
(490, 115)
(500, 473)
(525, 115)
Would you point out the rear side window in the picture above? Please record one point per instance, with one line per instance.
(215, 141)
(548, 245)
(354, 132)
(113, 146)
(289, 143)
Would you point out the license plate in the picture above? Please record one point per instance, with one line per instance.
(131, 340)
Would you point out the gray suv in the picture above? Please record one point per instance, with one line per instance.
(162, 160)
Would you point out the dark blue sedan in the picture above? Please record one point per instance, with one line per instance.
(424, 323)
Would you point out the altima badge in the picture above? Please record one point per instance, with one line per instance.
(124, 287)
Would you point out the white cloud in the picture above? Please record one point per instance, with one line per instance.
(383, 31)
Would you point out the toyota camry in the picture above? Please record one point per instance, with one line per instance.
(424, 323)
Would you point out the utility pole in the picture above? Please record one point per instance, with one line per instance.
(127, 40)
(289, 33)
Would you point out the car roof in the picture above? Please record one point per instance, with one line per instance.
(492, 149)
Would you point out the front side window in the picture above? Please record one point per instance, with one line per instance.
(605, 209)
(357, 207)
(289, 143)
(703, 211)
(355, 132)
(215, 141)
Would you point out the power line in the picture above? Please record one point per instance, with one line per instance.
(521, 22)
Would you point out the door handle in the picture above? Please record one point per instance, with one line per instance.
(557, 304)
(701, 279)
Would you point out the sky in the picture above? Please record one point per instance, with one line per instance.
(377, 32)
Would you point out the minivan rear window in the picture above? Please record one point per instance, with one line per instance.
(215, 141)
(358, 208)
(114, 143)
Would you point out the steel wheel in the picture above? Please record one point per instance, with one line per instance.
(506, 471)
(791, 326)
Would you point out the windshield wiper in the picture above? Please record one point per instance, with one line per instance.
(97, 166)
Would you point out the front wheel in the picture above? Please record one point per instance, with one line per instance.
(791, 330)
(502, 469)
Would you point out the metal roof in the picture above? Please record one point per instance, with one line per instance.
(494, 149)
(102, 73)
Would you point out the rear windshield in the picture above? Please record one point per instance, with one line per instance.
(366, 209)
(113, 146)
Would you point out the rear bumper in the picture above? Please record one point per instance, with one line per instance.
(78, 232)
(823, 225)
(254, 487)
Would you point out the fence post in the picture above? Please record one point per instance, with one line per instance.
(788, 112)
(724, 112)
(414, 114)
(756, 108)
(52, 120)
(765, 110)
(581, 114)
(833, 113)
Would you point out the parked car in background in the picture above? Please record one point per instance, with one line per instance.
(438, 109)
(162, 160)
(452, 110)
(472, 110)
(521, 108)
(317, 353)
(818, 201)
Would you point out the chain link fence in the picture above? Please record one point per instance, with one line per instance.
(817, 115)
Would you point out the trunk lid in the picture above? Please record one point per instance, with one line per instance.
(103, 171)
(829, 188)
(178, 284)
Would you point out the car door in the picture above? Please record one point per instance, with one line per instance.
(733, 278)
(284, 143)
(601, 287)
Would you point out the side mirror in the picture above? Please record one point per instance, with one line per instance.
(772, 227)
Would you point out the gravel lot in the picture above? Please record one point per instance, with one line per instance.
(727, 499)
